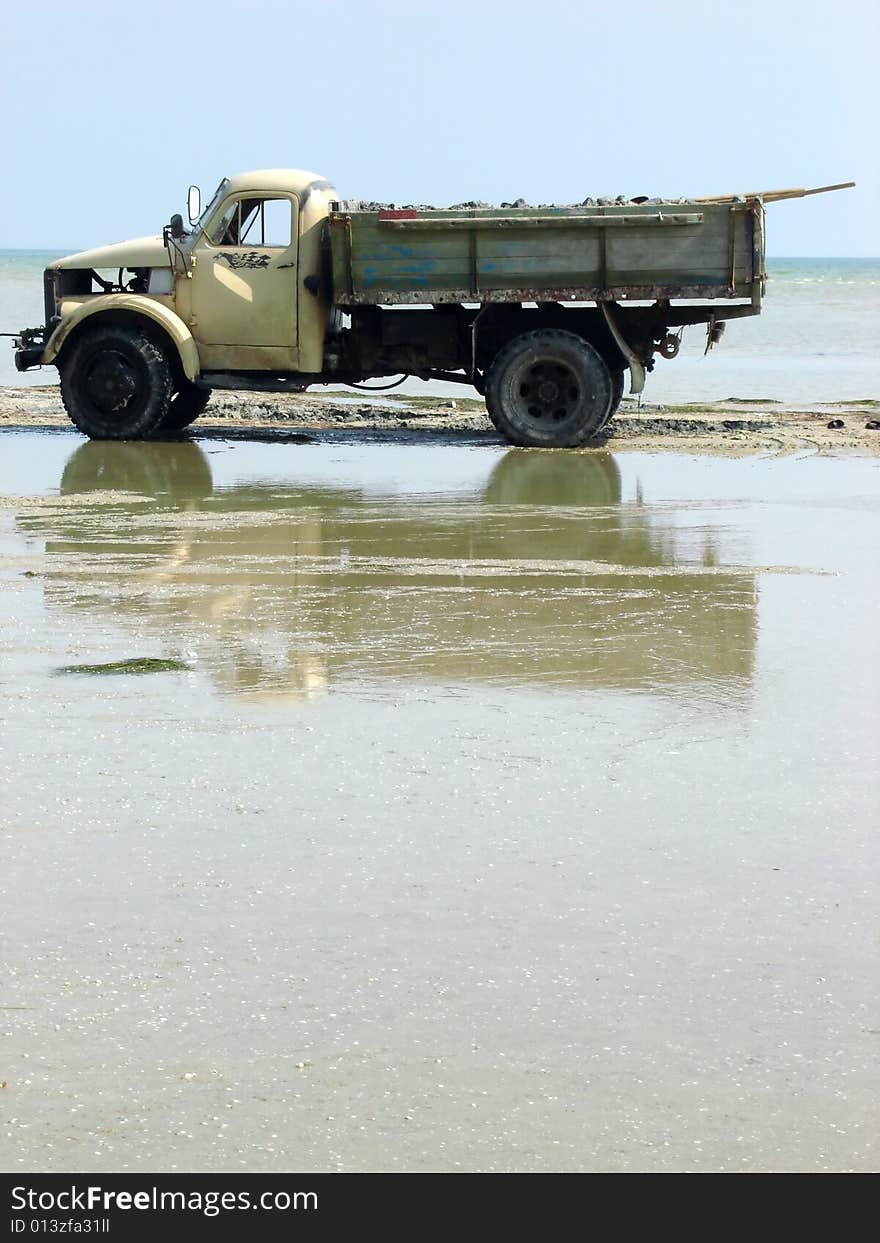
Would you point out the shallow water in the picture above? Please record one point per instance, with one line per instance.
(519, 810)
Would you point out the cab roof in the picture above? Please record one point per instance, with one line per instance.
(285, 180)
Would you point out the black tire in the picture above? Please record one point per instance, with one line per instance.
(616, 394)
(116, 384)
(617, 385)
(187, 404)
(548, 389)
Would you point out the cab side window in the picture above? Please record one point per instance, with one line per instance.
(269, 224)
(254, 222)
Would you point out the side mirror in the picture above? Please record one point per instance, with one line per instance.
(194, 204)
(176, 226)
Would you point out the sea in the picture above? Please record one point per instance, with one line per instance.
(816, 341)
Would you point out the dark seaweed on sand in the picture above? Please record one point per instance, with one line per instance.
(138, 664)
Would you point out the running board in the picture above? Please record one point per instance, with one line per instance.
(258, 383)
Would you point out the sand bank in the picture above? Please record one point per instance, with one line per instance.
(731, 426)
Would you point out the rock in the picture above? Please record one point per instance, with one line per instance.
(835, 424)
(873, 425)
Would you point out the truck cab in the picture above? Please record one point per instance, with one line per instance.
(249, 275)
(137, 328)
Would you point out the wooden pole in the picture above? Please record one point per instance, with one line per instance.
(775, 196)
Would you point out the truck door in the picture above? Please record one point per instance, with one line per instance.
(243, 286)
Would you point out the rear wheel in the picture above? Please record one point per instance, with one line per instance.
(549, 389)
(116, 384)
(187, 404)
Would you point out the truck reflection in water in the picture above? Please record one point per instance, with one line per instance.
(286, 588)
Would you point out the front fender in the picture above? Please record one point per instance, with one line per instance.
(170, 323)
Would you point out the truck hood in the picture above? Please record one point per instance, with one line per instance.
(140, 252)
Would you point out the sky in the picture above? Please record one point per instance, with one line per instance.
(108, 116)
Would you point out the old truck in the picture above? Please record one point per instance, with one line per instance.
(278, 284)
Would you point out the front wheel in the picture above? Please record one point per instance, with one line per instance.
(549, 389)
(116, 384)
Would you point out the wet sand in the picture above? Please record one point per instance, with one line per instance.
(734, 426)
(492, 809)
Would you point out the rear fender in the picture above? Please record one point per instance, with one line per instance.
(123, 306)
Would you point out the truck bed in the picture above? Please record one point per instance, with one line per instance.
(685, 249)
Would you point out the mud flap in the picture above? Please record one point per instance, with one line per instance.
(636, 367)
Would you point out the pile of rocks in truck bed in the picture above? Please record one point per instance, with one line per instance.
(355, 205)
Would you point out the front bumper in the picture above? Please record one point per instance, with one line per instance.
(25, 359)
(31, 343)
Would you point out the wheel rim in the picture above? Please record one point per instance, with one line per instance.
(110, 383)
(547, 391)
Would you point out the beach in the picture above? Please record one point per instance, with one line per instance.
(383, 798)
(407, 802)
(730, 427)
